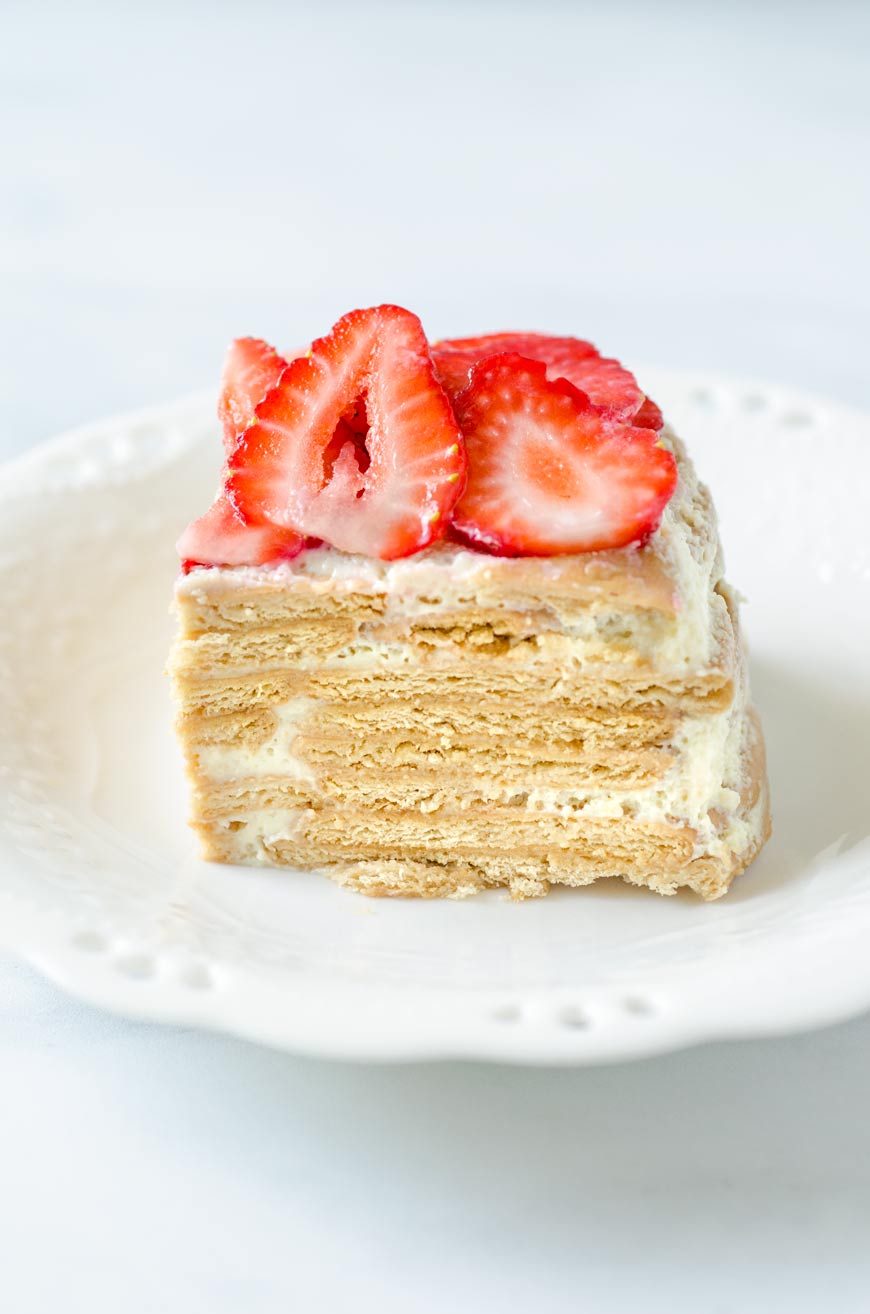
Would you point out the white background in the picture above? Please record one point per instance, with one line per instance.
(686, 184)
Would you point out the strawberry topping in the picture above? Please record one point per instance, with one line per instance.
(360, 443)
(356, 443)
(649, 416)
(221, 538)
(251, 369)
(607, 383)
(549, 472)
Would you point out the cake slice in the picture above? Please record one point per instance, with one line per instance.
(506, 710)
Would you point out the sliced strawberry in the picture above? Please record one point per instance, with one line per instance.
(548, 472)
(607, 383)
(251, 369)
(456, 357)
(649, 416)
(221, 538)
(300, 463)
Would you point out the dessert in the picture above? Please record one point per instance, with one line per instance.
(457, 619)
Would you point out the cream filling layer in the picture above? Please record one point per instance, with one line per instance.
(706, 776)
(224, 764)
(263, 829)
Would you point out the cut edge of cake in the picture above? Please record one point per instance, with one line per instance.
(455, 721)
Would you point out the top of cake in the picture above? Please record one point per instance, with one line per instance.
(376, 446)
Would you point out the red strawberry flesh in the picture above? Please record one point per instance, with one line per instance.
(607, 383)
(549, 472)
(251, 369)
(221, 538)
(357, 443)
(649, 416)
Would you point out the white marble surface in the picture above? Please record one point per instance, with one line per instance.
(686, 183)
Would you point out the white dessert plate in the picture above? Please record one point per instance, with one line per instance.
(101, 889)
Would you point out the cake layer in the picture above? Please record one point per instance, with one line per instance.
(550, 687)
(331, 651)
(454, 721)
(390, 749)
(696, 768)
(459, 848)
(373, 791)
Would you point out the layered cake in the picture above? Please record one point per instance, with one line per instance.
(456, 620)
